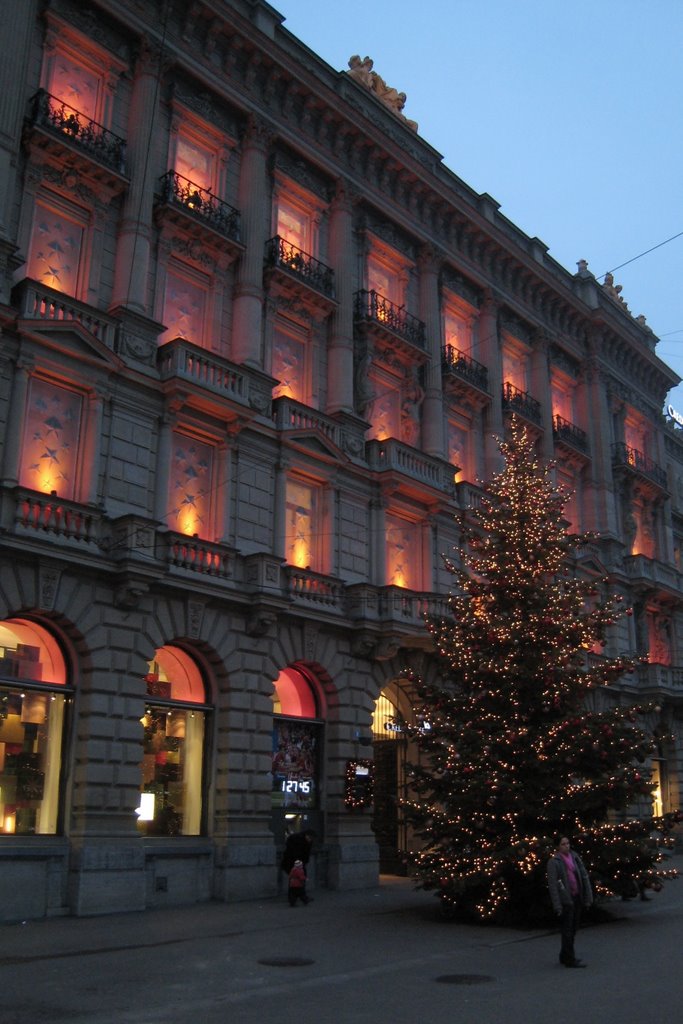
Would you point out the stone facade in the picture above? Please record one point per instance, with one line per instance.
(223, 261)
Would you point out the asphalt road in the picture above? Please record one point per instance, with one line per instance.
(347, 958)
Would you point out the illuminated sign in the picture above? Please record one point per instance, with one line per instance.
(676, 416)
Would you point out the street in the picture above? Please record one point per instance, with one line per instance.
(380, 955)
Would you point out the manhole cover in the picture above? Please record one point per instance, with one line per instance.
(286, 961)
(464, 979)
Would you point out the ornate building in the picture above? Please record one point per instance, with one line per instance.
(256, 342)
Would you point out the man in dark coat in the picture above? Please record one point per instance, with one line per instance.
(570, 891)
(297, 847)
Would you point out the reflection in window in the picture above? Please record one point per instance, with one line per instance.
(190, 486)
(171, 790)
(31, 729)
(55, 250)
(51, 435)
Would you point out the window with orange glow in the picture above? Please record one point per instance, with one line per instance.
(173, 752)
(302, 541)
(294, 224)
(644, 520)
(457, 331)
(185, 307)
(402, 553)
(458, 449)
(384, 412)
(515, 367)
(32, 713)
(190, 486)
(636, 435)
(568, 483)
(563, 401)
(75, 85)
(289, 364)
(385, 279)
(51, 436)
(55, 250)
(195, 162)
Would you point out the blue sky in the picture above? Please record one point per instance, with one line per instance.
(568, 114)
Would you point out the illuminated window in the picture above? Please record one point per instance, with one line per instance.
(384, 410)
(636, 435)
(297, 739)
(294, 223)
(185, 306)
(569, 484)
(195, 162)
(51, 436)
(385, 278)
(515, 366)
(75, 85)
(302, 540)
(55, 250)
(190, 486)
(31, 728)
(457, 330)
(458, 449)
(563, 400)
(289, 364)
(172, 764)
(402, 553)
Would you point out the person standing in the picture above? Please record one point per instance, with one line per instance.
(297, 847)
(297, 884)
(570, 891)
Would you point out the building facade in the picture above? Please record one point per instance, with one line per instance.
(256, 345)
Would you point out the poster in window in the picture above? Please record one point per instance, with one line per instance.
(295, 764)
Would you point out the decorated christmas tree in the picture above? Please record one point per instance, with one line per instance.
(516, 744)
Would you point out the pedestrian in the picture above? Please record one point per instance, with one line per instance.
(297, 847)
(297, 884)
(570, 891)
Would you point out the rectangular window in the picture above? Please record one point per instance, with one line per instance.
(384, 410)
(170, 801)
(563, 401)
(458, 450)
(293, 223)
(515, 367)
(457, 331)
(195, 162)
(52, 429)
(55, 250)
(288, 365)
(190, 486)
(185, 306)
(302, 540)
(402, 553)
(385, 279)
(75, 85)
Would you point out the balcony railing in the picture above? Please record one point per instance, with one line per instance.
(314, 588)
(377, 309)
(52, 113)
(182, 360)
(38, 302)
(521, 402)
(200, 203)
(622, 455)
(563, 430)
(51, 517)
(393, 456)
(282, 254)
(195, 555)
(468, 369)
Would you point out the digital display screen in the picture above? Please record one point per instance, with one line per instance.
(295, 764)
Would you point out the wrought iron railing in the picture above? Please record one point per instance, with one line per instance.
(455, 361)
(376, 308)
(49, 112)
(623, 455)
(521, 402)
(569, 432)
(282, 254)
(200, 203)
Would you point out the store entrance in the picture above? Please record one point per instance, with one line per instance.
(393, 749)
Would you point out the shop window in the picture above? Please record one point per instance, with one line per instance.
(56, 250)
(49, 458)
(297, 742)
(33, 698)
(302, 526)
(191, 486)
(402, 553)
(288, 364)
(185, 305)
(174, 737)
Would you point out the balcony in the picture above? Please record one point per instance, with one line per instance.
(211, 381)
(323, 593)
(284, 256)
(647, 574)
(657, 679)
(569, 434)
(57, 311)
(410, 469)
(630, 459)
(199, 204)
(193, 555)
(55, 121)
(464, 377)
(522, 403)
(390, 324)
(34, 516)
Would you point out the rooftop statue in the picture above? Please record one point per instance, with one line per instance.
(361, 71)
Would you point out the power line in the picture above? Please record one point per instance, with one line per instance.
(647, 251)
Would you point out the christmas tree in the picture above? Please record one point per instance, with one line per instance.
(510, 754)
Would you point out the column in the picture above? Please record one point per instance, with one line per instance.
(223, 480)
(433, 433)
(133, 247)
(15, 424)
(252, 199)
(489, 347)
(279, 502)
(163, 467)
(340, 353)
(378, 539)
(92, 448)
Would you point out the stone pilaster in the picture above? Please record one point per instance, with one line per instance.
(340, 353)
(433, 439)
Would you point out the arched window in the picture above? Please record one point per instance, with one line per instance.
(33, 694)
(173, 759)
(297, 743)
